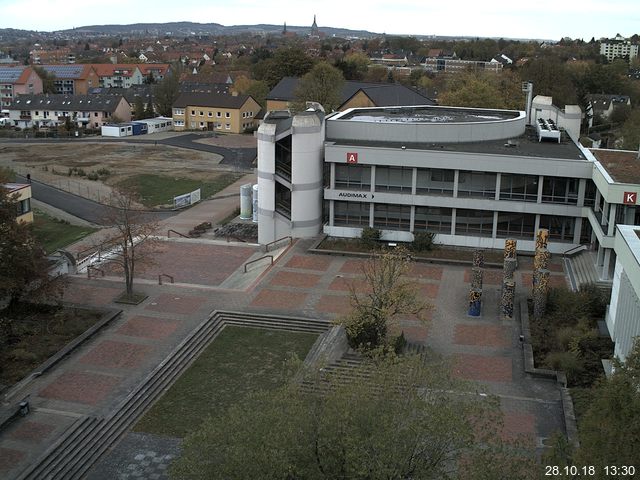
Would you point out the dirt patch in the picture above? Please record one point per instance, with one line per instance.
(52, 163)
(231, 141)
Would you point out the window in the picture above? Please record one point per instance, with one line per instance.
(560, 190)
(516, 225)
(201, 124)
(590, 194)
(218, 114)
(394, 179)
(193, 113)
(95, 114)
(392, 217)
(179, 123)
(178, 111)
(227, 115)
(357, 177)
(474, 222)
(519, 187)
(560, 228)
(434, 181)
(352, 214)
(433, 219)
(201, 113)
(476, 184)
(23, 206)
(209, 114)
(244, 114)
(227, 126)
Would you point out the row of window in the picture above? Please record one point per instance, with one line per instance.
(470, 184)
(179, 111)
(227, 126)
(439, 220)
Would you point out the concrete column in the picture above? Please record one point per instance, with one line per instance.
(373, 179)
(604, 273)
(582, 188)
(600, 256)
(494, 228)
(332, 211)
(540, 184)
(498, 180)
(412, 220)
(332, 181)
(414, 184)
(536, 225)
(612, 219)
(371, 214)
(453, 221)
(456, 177)
(577, 230)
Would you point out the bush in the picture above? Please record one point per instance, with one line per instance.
(422, 241)
(23, 355)
(104, 172)
(363, 332)
(399, 343)
(567, 362)
(93, 176)
(370, 236)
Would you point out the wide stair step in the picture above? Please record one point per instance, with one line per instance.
(89, 438)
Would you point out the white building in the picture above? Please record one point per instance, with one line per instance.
(618, 47)
(623, 314)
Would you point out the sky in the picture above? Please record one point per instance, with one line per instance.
(540, 19)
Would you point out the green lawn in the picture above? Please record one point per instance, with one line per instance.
(54, 234)
(241, 360)
(156, 190)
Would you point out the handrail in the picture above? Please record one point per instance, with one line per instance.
(254, 261)
(574, 249)
(170, 277)
(266, 247)
(91, 267)
(175, 231)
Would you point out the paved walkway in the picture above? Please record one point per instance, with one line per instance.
(102, 372)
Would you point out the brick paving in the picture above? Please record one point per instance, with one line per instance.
(295, 279)
(483, 368)
(279, 299)
(148, 327)
(80, 387)
(110, 354)
(423, 271)
(555, 280)
(485, 335)
(310, 262)
(489, 277)
(344, 284)
(352, 266)
(10, 458)
(93, 294)
(30, 431)
(518, 426)
(429, 290)
(338, 304)
(176, 303)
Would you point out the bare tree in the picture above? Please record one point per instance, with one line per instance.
(131, 237)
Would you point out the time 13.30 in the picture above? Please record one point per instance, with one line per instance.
(589, 470)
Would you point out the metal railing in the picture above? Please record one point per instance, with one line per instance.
(90, 268)
(573, 250)
(170, 277)
(256, 260)
(176, 232)
(288, 237)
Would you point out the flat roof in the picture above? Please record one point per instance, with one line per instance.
(14, 187)
(526, 145)
(427, 114)
(623, 166)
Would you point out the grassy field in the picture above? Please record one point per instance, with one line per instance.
(155, 190)
(240, 361)
(54, 234)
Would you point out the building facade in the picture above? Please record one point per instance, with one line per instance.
(215, 112)
(18, 80)
(618, 47)
(22, 193)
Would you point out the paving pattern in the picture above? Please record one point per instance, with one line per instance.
(99, 374)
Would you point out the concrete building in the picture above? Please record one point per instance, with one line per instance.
(568, 118)
(214, 112)
(22, 192)
(623, 313)
(618, 47)
(72, 79)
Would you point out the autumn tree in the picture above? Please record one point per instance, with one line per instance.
(48, 79)
(138, 108)
(354, 66)
(258, 89)
(393, 419)
(130, 239)
(384, 294)
(323, 84)
(483, 90)
(167, 90)
(286, 62)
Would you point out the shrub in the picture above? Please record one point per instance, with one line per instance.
(104, 172)
(399, 343)
(370, 236)
(422, 241)
(363, 331)
(568, 362)
(93, 176)
(23, 355)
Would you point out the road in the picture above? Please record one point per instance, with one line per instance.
(81, 207)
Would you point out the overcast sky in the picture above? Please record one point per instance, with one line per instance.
(544, 19)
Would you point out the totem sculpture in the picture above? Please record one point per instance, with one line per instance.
(541, 273)
(508, 281)
(475, 291)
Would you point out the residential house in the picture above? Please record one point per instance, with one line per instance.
(22, 194)
(72, 79)
(503, 59)
(144, 91)
(618, 47)
(354, 94)
(17, 81)
(604, 105)
(157, 71)
(83, 111)
(215, 112)
(118, 75)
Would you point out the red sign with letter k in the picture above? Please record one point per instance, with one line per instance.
(630, 198)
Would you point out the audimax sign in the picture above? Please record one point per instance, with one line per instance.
(364, 196)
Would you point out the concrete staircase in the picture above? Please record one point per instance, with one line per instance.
(582, 271)
(72, 455)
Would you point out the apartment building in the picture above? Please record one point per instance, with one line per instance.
(18, 80)
(215, 112)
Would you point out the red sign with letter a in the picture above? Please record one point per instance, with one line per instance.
(630, 198)
(352, 157)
